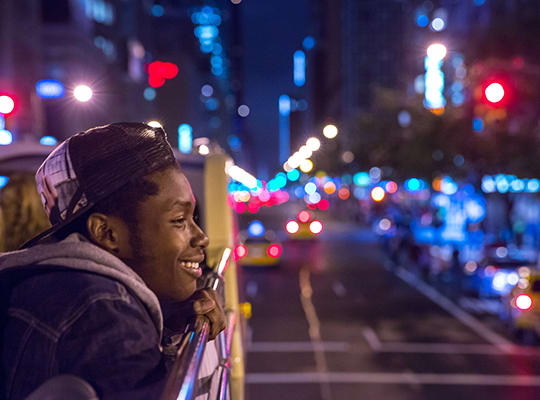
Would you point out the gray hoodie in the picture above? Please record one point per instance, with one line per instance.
(76, 252)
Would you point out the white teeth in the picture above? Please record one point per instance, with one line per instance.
(189, 265)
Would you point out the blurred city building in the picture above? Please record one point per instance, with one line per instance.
(170, 61)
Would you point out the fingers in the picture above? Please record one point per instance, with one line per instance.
(206, 305)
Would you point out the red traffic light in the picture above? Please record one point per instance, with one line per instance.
(159, 71)
(7, 104)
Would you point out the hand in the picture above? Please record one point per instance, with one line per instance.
(207, 308)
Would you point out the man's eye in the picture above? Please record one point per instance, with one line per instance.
(179, 221)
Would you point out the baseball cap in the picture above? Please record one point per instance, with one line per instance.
(91, 165)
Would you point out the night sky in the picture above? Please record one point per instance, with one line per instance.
(272, 31)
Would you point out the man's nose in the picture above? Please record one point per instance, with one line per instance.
(199, 237)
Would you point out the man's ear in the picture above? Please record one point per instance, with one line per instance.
(107, 232)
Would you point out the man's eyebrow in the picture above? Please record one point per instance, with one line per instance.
(180, 203)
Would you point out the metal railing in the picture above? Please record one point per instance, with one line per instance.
(183, 375)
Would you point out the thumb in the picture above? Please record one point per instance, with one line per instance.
(203, 306)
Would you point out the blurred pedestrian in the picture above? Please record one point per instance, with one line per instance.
(21, 212)
(85, 297)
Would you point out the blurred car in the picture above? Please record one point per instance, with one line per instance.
(494, 277)
(520, 308)
(304, 226)
(257, 246)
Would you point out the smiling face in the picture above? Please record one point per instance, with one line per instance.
(168, 244)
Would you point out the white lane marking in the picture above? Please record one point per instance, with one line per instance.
(443, 348)
(339, 289)
(296, 347)
(458, 313)
(397, 378)
(306, 293)
(372, 338)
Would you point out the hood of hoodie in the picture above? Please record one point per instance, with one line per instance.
(76, 252)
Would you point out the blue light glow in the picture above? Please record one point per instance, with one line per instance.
(5, 137)
(488, 184)
(310, 188)
(206, 32)
(3, 181)
(347, 179)
(361, 179)
(517, 185)
(284, 105)
(478, 124)
(412, 185)
(211, 104)
(234, 142)
(256, 228)
(475, 208)
(49, 89)
(314, 198)
(448, 186)
(533, 186)
(299, 192)
(293, 175)
(308, 43)
(149, 94)
(299, 68)
(422, 20)
(2, 121)
(281, 180)
(479, 2)
(185, 138)
(48, 141)
(157, 10)
(502, 183)
(438, 24)
(458, 98)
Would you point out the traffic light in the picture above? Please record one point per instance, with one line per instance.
(159, 72)
(7, 104)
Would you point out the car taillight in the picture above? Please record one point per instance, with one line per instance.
(303, 216)
(274, 250)
(523, 302)
(240, 251)
(316, 227)
(292, 227)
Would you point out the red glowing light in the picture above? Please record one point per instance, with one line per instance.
(274, 250)
(316, 227)
(303, 216)
(159, 71)
(523, 302)
(344, 193)
(391, 187)
(240, 251)
(7, 104)
(324, 204)
(292, 227)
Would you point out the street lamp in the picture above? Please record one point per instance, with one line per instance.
(436, 51)
(82, 93)
(330, 131)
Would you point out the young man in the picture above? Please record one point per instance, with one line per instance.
(86, 296)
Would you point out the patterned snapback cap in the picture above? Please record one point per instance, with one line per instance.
(93, 164)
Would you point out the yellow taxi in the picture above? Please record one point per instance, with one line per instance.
(521, 306)
(257, 246)
(304, 226)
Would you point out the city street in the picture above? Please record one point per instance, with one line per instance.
(333, 323)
